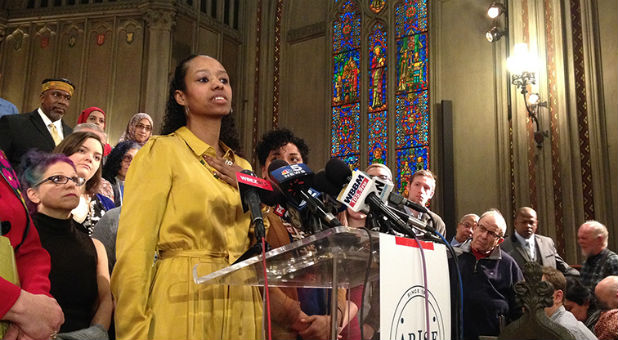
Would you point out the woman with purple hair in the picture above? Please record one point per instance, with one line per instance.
(79, 275)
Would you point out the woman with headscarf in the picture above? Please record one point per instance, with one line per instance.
(138, 130)
(96, 116)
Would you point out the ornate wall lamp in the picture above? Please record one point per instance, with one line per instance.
(522, 66)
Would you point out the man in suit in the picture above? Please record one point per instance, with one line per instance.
(40, 129)
(421, 187)
(525, 245)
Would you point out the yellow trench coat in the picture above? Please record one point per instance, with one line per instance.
(174, 206)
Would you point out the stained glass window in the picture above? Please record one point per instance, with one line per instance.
(399, 140)
(345, 127)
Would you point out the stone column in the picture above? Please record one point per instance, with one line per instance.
(159, 17)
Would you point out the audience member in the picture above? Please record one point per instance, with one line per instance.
(26, 304)
(85, 150)
(97, 130)
(580, 302)
(92, 115)
(6, 107)
(42, 128)
(79, 274)
(600, 261)
(557, 313)
(193, 214)
(525, 245)
(464, 229)
(139, 129)
(606, 292)
(117, 165)
(488, 275)
(295, 312)
(106, 231)
(421, 187)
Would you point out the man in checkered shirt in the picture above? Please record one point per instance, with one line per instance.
(600, 261)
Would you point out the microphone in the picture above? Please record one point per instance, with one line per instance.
(250, 186)
(295, 182)
(399, 200)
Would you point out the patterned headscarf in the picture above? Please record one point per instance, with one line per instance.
(83, 117)
(129, 133)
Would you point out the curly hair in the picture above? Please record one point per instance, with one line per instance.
(71, 144)
(34, 164)
(175, 116)
(114, 159)
(275, 139)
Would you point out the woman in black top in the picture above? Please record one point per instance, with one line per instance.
(79, 276)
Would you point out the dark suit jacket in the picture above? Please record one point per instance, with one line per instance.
(22, 132)
(545, 250)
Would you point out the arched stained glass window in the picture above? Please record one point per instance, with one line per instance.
(346, 110)
(371, 35)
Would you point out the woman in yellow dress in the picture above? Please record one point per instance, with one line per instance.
(181, 208)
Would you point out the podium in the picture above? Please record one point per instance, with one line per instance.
(416, 304)
(334, 258)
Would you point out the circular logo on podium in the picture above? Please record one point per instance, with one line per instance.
(408, 321)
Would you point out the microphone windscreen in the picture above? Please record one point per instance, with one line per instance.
(323, 184)
(338, 172)
(276, 164)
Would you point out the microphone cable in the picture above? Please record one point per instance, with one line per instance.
(420, 247)
(459, 324)
(365, 281)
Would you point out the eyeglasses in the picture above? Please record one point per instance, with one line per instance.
(127, 158)
(142, 126)
(468, 224)
(491, 233)
(382, 177)
(60, 179)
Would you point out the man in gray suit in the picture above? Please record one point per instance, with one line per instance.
(526, 246)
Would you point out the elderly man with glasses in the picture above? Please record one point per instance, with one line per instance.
(488, 275)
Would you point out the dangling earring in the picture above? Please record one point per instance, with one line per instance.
(186, 110)
(231, 111)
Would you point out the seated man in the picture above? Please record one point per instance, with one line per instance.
(557, 313)
(606, 293)
(600, 261)
(488, 275)
(464, 229)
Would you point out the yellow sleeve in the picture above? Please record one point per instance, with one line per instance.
(145, 198)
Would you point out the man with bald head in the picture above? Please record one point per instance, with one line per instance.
(464, 229)
(488, 275)
(600, 261)
(527, 246)
(606, 293)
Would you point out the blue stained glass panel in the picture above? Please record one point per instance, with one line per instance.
(412, 63)
(352, 160)
(345, 130)
(410, 17)
(377, 138)
(408, 162)
(346, 28)
(346, 78)
(412, 120)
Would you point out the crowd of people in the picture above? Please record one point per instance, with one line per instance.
(105, 238)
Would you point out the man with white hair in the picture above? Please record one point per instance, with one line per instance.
(600, 261)
(488, 275)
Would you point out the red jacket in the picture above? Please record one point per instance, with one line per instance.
(33, 263)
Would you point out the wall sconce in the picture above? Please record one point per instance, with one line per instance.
(494, 34)
(523, 66)
(495, 9)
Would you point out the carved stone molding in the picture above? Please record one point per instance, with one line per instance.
(160, 19)
(306, 32)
